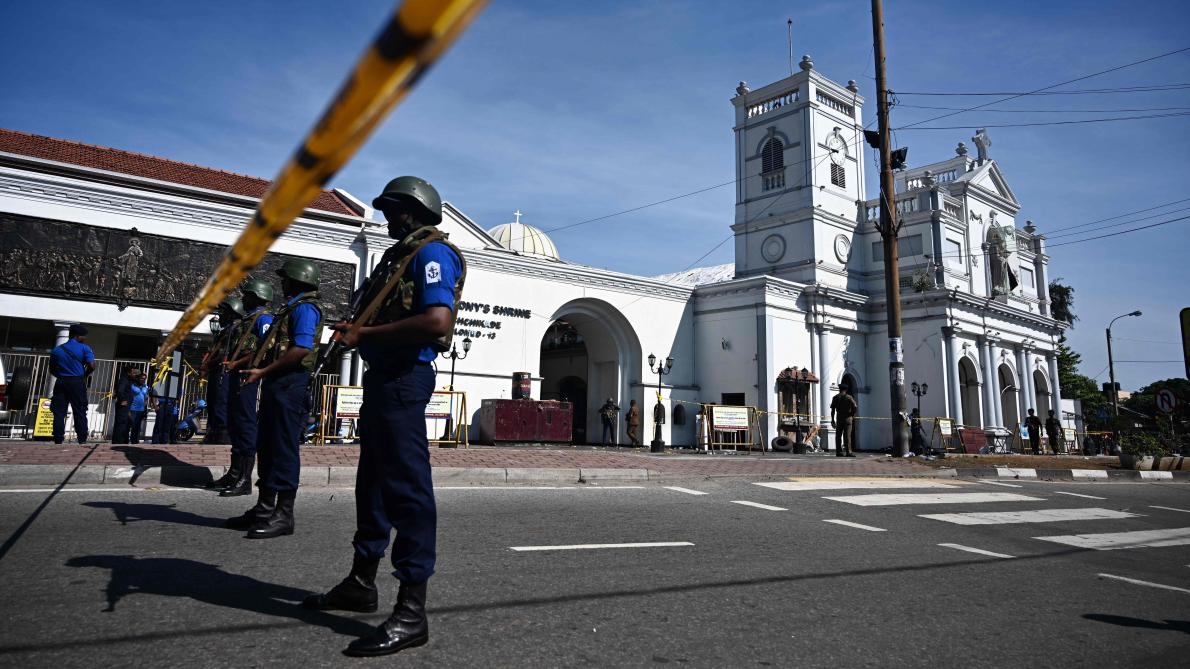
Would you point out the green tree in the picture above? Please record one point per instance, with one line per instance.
(1074, 385)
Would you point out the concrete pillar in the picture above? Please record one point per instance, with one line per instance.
(1025, 362)
(1051, 361)
(358, 378)
(825, 374)
(345, 368)
(63, 334)
(954, 392)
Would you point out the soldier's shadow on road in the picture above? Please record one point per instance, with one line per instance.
(174, 472)
(1126, 621)
(176, 577)
(163, 513)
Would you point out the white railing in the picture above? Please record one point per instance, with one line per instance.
(837, 105)
(774, 103)
(773, 180)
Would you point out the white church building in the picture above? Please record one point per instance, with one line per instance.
(120, 242)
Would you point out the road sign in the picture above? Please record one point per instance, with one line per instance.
(1166, 400)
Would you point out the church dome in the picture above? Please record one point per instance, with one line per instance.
(525, 239)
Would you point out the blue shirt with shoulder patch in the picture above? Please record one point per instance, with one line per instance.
(434, 271)
(261, 328)
(67, 359)
(302, 322)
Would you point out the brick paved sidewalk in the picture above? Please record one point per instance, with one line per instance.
(671, 464)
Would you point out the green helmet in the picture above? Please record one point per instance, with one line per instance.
(263, 290)
(300, 270)
(416, 190)
(233, 304)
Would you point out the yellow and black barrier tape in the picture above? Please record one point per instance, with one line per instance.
(417, 33)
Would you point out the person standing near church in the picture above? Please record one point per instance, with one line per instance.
(1033, 425)
(245, 339)
(282, 365)
(230, 311)
(1053, 430)
(393, 486)
(122, 406)
(609, 414)
(633, 420)
(843, 411)
(139, 406)
(71, 362)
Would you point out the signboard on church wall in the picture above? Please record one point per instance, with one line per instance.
(128, 267)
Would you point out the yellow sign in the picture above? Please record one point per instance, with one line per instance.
(44, 425)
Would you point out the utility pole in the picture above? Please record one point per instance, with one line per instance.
(889, 227)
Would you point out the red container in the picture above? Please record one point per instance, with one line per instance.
(526, 421)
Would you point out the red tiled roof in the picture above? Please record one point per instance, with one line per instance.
(151, 167)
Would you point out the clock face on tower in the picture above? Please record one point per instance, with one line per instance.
(837, 147)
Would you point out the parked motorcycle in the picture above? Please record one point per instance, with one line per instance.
(188, 426)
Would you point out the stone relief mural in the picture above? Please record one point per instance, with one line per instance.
(128, 267)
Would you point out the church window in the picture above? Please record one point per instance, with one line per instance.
(772, 164)
(838, 176)
(953, 255)
(679, 415)
(1027, 279)
(906, 246)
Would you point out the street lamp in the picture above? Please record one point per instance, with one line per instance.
(1111, 370)
(919, 390)
(658, 444)
(454, 355)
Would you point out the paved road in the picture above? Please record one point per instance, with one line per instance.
(124, 577)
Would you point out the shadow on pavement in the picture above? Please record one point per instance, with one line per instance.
(1125, 621)
(164, 513)
(174, 472)
(176, 577)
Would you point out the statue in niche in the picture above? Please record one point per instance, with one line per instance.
(982, 144)
(1002, 257)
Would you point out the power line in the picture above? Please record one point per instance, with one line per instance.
(1149, 341)
(1112, 218)
(1045, 88)
(1050, 111)
(1121, 232)
(1084, 91)
(1113, 225)
(1039, 123)
(1161, 361)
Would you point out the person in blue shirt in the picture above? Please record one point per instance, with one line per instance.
(393, 486)
(138, 406)
(283, 364)
(122, 406)
(70, 363)
(242, 424)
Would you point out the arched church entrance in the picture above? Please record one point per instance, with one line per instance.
(590, 353)
(1009, 398)
(1042, 398)
(969, 393)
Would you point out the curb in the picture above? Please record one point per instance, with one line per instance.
(1066, 474)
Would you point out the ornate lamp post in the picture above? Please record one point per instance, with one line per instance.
(1111, 370)
(658, 444)
(919, 390)
(454, 355)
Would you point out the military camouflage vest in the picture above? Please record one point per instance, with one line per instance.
(399, 304)
(279, 338)
(244, 337)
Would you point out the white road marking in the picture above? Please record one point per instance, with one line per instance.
(1170, 508)
(1006, 485)
(1075, 494)
(851, 484)
(759, 506)
(960, 547)
(1160, 476)
(1138, 582)
(111, 488)
(1089, 473)
(941, 498)
(1118, 540)
(688, 491)
(1016, 517)
(579, 547)
(1016, 472)
(856, 525)
(539, 487)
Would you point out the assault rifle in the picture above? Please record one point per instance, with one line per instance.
(360, 299)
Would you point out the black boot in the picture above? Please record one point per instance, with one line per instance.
(280, 523)
(233, 472)
(266, 502)
(357, 592)
(243, 483)
(405, 628)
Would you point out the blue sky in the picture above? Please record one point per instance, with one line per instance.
(570, 111)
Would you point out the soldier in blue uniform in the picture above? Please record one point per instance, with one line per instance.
(393, 486)
(283, 364)
(244, 341)
(230, 310)
(70, 363)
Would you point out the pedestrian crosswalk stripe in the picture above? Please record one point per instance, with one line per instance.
(1075, 494)
(855, 525)
(1119, 540)
(1134, 581)
(978, 551)
(1017, 517)
(850, 484)
(685, 490)
(1005, 485)
(759, 506)
(935, 498)
(1170, 508)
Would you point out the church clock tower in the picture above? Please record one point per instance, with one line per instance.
(799, 177)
